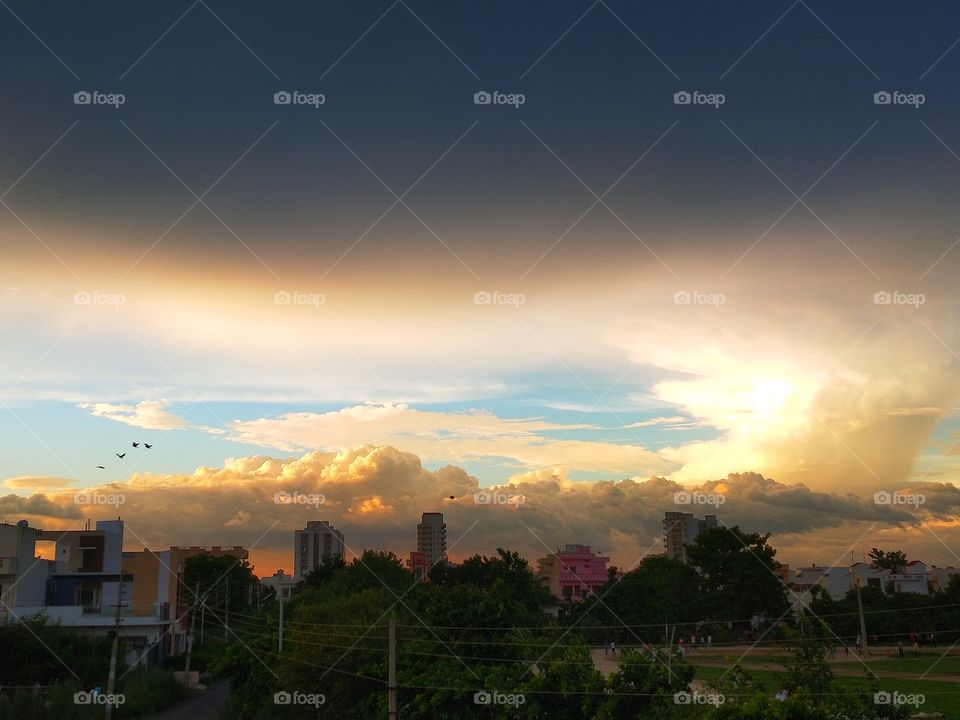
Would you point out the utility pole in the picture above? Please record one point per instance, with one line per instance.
(863, 623)
(226, 616)
(864, 648)
(392, 673)
(193, 622)
(280, 639)
(111, 678)
(670, 655)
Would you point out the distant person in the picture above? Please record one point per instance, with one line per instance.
(613, 647)
(709, 640)
(846, 650)
(900, 647)
(916, 649)
(606, 648)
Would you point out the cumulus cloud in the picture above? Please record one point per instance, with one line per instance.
(375, 494)
(147, 414)
(457, 437)
(845, 403)
(39, 505)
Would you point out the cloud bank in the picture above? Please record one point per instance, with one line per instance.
(375, 494)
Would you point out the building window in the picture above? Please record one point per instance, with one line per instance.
(88, 597)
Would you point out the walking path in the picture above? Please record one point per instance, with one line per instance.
(207, 704)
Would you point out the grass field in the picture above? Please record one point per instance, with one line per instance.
(941, 697)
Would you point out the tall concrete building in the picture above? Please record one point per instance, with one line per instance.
(432, 539)
(318, 540)
(680, 529)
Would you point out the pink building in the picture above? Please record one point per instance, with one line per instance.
(573, 572)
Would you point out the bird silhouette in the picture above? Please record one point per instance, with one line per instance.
(100, 467)
(452, 497)
(147, 446)
(136, 444)
(121, 455)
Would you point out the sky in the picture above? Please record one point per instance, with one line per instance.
(693, 247)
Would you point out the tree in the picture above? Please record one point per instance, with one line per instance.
(645, 685)
(807, 667)
(893, 561)
(738, 573)
(640, 603)
(323, 572)
(221, 579)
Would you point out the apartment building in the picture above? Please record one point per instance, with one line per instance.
(681, 529)
(84, 585)
(573, 572)
(432, 539)
(317, 541)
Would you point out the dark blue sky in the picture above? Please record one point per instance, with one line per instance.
(399, 99)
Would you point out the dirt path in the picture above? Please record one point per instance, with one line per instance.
(206, 704)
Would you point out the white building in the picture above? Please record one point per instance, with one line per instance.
(432, 539)
(80, 587)
(838, 581)
(280, 584)
(317, 541)
(940, 577)
(23, 577)
(915, 578)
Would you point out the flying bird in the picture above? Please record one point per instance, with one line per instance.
(100, 467)
(147, 446)
(136, 444)
(452, 497)
(121, 455)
